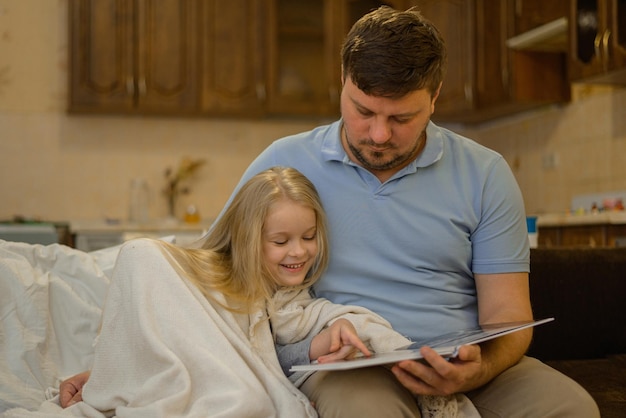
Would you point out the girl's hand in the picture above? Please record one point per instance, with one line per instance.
(337, 342)
(71, 389)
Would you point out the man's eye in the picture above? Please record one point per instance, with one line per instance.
(402, 120)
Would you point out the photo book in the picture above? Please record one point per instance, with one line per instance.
(446, 345)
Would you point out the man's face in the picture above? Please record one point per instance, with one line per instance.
(383, 134)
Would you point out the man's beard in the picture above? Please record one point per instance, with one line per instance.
(374, 160)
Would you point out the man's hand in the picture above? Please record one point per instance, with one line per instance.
(438, 376)
(71, 389)
(338, 341)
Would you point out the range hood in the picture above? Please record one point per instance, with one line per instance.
(551, 37)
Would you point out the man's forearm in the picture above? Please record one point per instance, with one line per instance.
(501, 353)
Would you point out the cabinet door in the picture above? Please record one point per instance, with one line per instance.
(167, 74)
(102, 48)
(300, 41)
(598, 37)
(134, 56)
(477, 84)
(617, 40)
(455, 21)
(233, 75)
(304, 44)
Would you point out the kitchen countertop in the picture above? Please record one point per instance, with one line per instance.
(565, 219)
(156, 225)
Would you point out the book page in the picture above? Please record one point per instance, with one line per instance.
(446, 345)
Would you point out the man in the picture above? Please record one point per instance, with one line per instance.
(427, 229)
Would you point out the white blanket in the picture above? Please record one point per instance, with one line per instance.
(165, 351)
(51, 301)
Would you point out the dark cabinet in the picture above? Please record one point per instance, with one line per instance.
(303, 68)
(243, 58)
(258, 58)
(233, 57)
(486, 79)
(598, 40)
(129, 57)
(594, 235)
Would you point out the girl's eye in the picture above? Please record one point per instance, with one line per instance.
(280, 242)
(311, 238)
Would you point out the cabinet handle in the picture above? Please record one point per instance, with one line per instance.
(130, 86)
(469, 93)
(605, 48)
(332, 94)
(142, 86)
(260, 92)
(596, 45)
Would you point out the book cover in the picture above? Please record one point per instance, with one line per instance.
(446, 345)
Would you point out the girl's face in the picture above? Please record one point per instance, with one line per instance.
(289, 242)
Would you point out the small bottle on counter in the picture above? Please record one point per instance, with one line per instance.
(138, 207)
(192, 216)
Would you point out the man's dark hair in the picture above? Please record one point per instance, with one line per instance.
(391, 53)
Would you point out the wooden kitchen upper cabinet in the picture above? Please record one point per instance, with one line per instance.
(134, 57)
(233, 57)
(598, 40)
(242, 58)
(477, 83)
(276, 57)
(303, 67)
(486, 79)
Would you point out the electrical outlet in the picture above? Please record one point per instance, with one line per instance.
(549, 161)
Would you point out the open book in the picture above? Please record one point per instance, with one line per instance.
(446, 345)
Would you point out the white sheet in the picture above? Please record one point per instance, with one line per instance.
(165, 351)
(51, 301)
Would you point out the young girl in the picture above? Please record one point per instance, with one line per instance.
(205, 345)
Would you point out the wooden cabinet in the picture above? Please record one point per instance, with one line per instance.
(598, 40)
(477, 85)
(595, 235)
(209, 57)
(303, 72)
(233, 58)
(129, 57)
(486, 79)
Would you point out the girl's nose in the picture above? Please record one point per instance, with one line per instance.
(296, 249)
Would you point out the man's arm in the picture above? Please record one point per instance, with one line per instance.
(501, 298)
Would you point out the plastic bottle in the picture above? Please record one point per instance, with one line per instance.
(138, 208)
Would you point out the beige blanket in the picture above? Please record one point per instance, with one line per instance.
(165, 351)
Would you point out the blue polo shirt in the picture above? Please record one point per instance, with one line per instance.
(408, 248)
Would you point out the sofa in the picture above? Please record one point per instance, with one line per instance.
(584, 289)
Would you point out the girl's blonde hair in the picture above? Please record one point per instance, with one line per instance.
(231, 260)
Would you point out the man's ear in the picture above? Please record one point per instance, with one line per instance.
(434, 98)
(436, 93)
